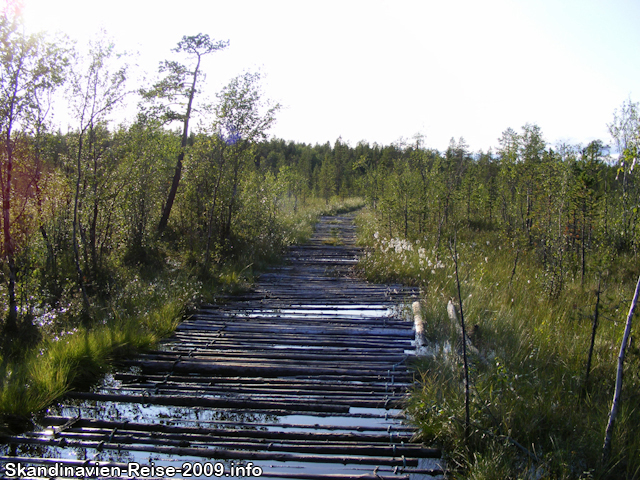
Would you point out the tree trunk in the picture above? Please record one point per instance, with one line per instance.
(465, 362)
(207, 256)
(93, 224)
(606, 449)
(76, 221)
(594, 329)
(236, 168)
(12, 316)
(178, 171)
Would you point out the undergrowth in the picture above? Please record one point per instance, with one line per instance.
(533, 416)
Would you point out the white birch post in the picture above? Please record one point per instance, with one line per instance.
(419, 328)
(606, 449)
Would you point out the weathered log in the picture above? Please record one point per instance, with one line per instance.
(278, 362)
(331, 476)
(191, 401)
(223, 454)
(236, 340)
(181, 389)
(284, 401)
(187, 365)
(276, 354)
(310, 383)
(184, 432)
(170, 426)
(420, 339)
(271, 445)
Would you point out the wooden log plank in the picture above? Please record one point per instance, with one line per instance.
(189, 401)
(276, 354)
(258, 401)
(311, 383)
(300, 446)
(257, 370)
(272, 427)
(286, 340)
(332, 330)
(221, 453)
(334, 364)
(109, 425)
(240, 389)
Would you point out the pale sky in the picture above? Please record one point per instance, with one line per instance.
(379, 70)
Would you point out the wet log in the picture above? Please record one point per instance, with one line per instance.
(192, 401)
(253, 341)
(223, 454)
(300, 446)
(310, 383)
(346, 395)
(397, 430)
(278, 354)
(185, 432)
(283, 400)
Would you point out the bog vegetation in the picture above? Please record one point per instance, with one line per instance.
(110, 232)
(546, 245)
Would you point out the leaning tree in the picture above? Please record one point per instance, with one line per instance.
(177, 87)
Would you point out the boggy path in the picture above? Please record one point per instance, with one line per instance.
(303, 377)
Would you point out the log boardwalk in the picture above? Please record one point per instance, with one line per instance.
(303, 377)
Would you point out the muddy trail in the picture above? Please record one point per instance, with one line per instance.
(302, 377)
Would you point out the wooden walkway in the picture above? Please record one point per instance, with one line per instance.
(303, 377)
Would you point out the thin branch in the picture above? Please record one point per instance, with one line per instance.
(454, 252)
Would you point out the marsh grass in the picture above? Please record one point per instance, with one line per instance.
(73, 355)
(531, 414)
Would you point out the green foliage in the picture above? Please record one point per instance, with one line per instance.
(527, 378)
(176, 88)
(31, 68)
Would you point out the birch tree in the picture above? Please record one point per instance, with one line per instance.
(97, 87)
(29, 64)
(625, 131)
(615, 404)
(243, 118)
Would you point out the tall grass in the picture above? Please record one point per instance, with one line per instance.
(73, 355)
(532, 414)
